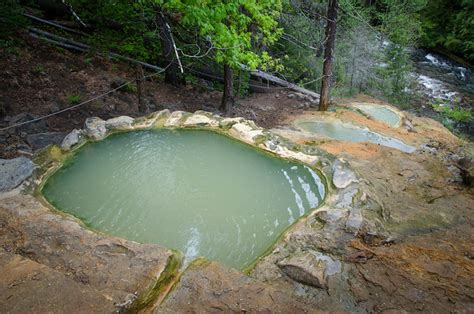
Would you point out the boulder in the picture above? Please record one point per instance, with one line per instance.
(305, 269)
(198, 120)
(310, 268)
(40, 140)
(71, 140)
(94, 128)
(14, 171)
(119, 123)
(245, 132)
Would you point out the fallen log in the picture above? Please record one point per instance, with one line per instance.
(254, 74)
(279, 82)
(77, 46)
(51, 23)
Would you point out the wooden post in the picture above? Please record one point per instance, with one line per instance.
(328, 50)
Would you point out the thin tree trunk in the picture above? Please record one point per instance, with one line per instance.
(328, 52)
(239, 84)
(353, 65)
(228, 95)
(141, 105)
(171, 72)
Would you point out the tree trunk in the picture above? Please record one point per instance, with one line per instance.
(328, 50)
(167, 49)
(228, 95)
(353, 65)
(141, 104)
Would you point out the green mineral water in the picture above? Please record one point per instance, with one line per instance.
(348, 132)
(195, 191)
(380, 113)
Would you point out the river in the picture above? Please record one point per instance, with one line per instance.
(446, 83)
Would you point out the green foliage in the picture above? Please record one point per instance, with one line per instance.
(459, 114)
(454, 113)
(234, 28)
(130, 88)
(10, 18)
(74, 99)
(449, 24)
(39, 69)
(122, 26)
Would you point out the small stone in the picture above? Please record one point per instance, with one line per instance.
(94, 128)
(300, 96)
(311, 268)
(14, 171)
(71, 140)
(291, 95)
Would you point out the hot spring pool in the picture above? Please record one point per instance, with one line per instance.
(195, 191)
(341, 131)
(380, 113)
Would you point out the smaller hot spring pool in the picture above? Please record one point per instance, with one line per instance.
(348, 132)
(195, 191)
(380, 113)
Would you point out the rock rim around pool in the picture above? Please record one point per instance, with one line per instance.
(239, 129)
(346, 214)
